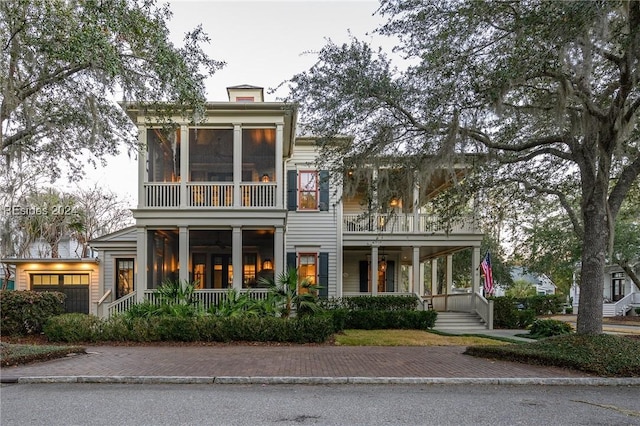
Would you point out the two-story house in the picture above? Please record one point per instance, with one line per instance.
(238, 196)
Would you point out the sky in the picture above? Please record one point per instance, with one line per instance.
(264, 43)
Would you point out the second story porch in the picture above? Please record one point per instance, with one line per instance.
(195, 195)
(232, 159)
(399, 223)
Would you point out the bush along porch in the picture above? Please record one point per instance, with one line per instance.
(285, 315)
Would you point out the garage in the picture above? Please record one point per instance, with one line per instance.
(75, 286)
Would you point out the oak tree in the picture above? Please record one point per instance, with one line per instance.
(545, 93)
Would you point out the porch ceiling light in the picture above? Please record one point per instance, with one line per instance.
(383, 264)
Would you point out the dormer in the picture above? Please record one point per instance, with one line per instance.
(245, 93)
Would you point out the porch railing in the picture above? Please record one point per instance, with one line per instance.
(451, 302)
(208, 194)
(258, 195)
(121, 305)
(618, 308)
(210, 296)
(162, 194)
(100, 303)
(484, 308)
(205, 297)
(399, 223)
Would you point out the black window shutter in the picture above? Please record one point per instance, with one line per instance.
(323, 274)
(292, 190)
(364, 276)
(291, 261)
(324, 190)
(390, 276)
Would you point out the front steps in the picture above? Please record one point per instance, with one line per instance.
(459, 322)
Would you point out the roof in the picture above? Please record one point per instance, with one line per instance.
(521, 273)
(15, 261)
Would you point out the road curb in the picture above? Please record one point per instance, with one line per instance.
(286, 380)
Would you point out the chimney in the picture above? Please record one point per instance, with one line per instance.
(245, 93)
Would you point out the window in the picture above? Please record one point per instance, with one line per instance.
(249, 270)
(308, 190)
(124, 277)
(59, 279)
(307, 269)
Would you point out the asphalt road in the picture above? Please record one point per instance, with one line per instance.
(117, 404)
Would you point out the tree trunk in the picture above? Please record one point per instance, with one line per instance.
(594, 243)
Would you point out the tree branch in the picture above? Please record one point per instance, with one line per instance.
(577, 227)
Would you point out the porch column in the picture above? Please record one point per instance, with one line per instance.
(374, 270)
(416, 206)
(475, 276)
(183, 253)
(237, 167)
(236, 257)
(434, 277)
(184, 164)
(449, 286)
(278, 253)
(279, 177)
(140, 284)
(142, 167)
(417, 284)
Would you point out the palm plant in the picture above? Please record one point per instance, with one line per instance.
(177, 292)
(287, 297)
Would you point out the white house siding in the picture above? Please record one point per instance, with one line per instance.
(315, 231)
(120, 244)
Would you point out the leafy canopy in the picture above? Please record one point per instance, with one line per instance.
(64, 63)
(546, 92)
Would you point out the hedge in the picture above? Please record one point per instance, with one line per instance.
(377, 303)
(74, 328)
(25, 312)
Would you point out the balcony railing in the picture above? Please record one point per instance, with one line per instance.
(400, 223)
(207, 195)
(162, 194)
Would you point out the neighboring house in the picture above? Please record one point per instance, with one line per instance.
(542, 283)
(239, 197)
(620, 294)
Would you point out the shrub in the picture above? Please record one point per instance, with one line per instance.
(73, 328)
(175, 328)
(637, 310)
(26, 312)
(507, 315)
(377, 320)
(601, 354)
(568, 310)
(542, 328)
(544, 305)
(87, 328)
(378, 303)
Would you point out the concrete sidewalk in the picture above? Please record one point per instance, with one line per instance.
(311, 364)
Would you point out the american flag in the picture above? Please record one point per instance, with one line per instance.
(487, 273)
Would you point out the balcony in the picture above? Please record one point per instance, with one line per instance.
(400, 223)
(210, 195)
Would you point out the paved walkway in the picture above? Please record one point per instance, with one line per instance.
(220, 363)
